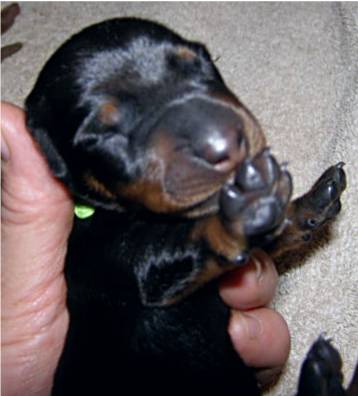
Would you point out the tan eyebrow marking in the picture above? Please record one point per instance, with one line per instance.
(109, 113)
(186, 53)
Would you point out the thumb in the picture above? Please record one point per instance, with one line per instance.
(36, 218)
(28, 183)
(36, 222)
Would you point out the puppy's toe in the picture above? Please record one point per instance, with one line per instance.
(255, 205)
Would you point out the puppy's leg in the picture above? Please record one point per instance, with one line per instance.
(310, 212)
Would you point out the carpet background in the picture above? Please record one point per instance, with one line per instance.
(295, 66)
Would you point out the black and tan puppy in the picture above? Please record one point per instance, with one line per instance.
(138, 123)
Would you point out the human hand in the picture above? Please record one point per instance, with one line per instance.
(37, 216)
(36, 222)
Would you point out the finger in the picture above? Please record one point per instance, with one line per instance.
(251, 286)
(27, 180)
(261, 337)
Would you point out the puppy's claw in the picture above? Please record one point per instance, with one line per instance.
(284, 188)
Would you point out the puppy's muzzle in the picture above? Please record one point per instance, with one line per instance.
(208, 131)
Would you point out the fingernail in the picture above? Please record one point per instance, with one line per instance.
(268, 377)
(5, 152)
(253, 326)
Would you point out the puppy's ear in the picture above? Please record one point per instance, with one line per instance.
(101, 142)
(54, 159)
(160, 286)
(39, 123)
(103, 118)
(167, 279)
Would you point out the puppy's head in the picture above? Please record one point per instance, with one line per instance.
(129, 114)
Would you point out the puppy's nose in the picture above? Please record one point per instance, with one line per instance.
(219, 141)
(207, 130)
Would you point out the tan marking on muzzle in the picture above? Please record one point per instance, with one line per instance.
(94, 184)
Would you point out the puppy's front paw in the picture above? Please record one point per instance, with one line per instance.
(321, 371)
(255, 204)
(322, 203)
(324, 197)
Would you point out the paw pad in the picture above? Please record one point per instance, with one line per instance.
(255, 204)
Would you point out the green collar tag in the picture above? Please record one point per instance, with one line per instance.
(83, 211)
